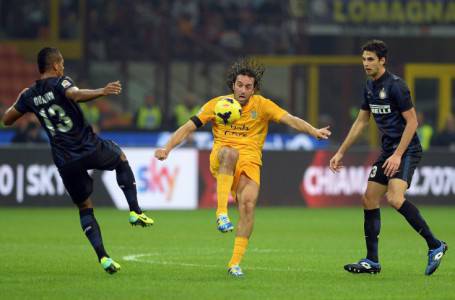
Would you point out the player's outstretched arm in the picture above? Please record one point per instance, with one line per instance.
(12, 115)
(177, 137)
(83, 95)
(303, 126)
(356, 129)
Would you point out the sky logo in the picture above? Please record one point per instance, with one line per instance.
(157, 178)
(170, 184)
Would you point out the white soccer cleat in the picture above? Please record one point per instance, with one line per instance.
(235, 271)
(224, 223)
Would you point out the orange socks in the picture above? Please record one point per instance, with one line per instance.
(223, 188)
(240, 245)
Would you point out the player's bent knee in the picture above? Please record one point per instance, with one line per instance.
(84, 204)
(249, 204)
(370, 202)
(123, 157)
(81, 197)
(395, 199)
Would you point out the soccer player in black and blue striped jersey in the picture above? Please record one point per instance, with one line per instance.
(75, 147)
(387, 98)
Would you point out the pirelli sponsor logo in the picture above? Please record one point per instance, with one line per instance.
(380, 109)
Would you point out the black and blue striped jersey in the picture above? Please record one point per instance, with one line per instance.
(386, 98)
(70, 136)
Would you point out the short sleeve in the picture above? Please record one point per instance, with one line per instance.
(207, 112)
(272, 111)
(400, 93)
(64, 84)
(21, 104)
(365, 105)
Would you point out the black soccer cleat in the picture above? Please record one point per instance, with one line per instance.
(434, 258)
(363, 266)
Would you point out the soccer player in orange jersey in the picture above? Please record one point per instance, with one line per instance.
(235, 160)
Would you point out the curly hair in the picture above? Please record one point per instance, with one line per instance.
(245, 66)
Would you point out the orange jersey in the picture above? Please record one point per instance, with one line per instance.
(247, 134)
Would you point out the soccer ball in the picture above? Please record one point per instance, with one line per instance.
(227, 111)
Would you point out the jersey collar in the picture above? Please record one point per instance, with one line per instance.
(382, 78)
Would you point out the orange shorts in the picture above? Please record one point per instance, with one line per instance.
(244, 166)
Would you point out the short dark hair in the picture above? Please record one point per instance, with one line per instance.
(46, 57)
(245, 66)
(376, 46)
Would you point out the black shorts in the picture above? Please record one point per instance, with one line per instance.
(409, 162)
(74, 174)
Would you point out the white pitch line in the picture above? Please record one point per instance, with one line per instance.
(219, 251)
(140, 258)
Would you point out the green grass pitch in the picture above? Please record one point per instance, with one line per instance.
(294, 253)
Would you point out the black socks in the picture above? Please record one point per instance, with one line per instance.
(126, 181)
(412, 215)
(372, 227)
(92, 231)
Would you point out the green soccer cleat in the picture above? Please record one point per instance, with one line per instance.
(235, 271)
(140, 219)
(109, 265)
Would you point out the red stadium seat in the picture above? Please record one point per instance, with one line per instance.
(15, 73)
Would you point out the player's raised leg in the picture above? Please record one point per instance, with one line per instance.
(127, 183)
(247, 194)
(437, 248)
(372, 227)
(227, 158)
(93, 232)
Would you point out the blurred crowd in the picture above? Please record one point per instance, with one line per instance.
(178, 30)
(198, 27)
(105, 114)
(35, 18)
(225, 26)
